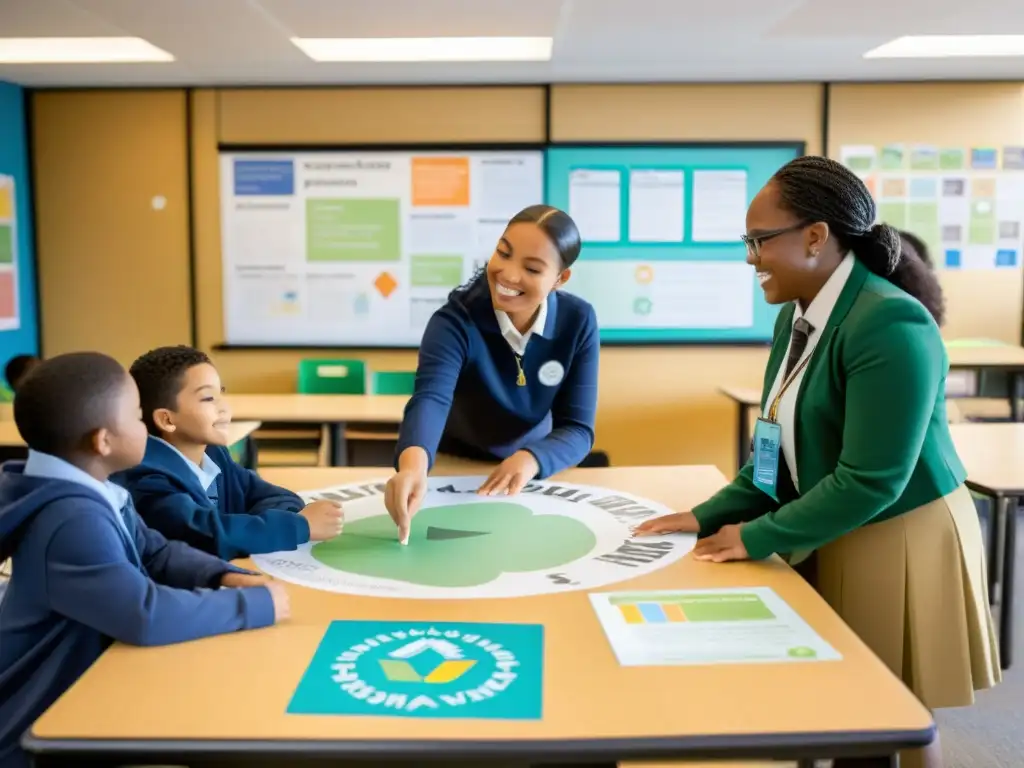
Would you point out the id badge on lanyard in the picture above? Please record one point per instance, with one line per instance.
(768, 441)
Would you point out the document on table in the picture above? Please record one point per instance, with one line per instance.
(743, 625)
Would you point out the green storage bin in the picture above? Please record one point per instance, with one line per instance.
(394, 382)
(332, 377)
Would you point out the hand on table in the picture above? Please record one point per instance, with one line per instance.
(325, 519)
(723, 546)
(282, 605)
(680, 522)
(241, 580)
(403, 496)
(509, 477)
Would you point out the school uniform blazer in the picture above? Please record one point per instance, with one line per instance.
(872, 436)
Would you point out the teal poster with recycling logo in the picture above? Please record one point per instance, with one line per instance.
(424, 669)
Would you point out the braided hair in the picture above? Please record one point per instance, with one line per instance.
(816, 188)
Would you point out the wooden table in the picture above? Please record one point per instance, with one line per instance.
(1009, 359)
(748, 405)
(332, 411)
(223, 700)
(10, 437)
(994, 457)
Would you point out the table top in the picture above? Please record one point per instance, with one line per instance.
(10, 437)
(177, 695)
(986, 357)
(748, 396)
(321, 409)
(993, 455)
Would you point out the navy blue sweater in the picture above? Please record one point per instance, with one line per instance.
(82, 580)
(467, 402)
(250, 516)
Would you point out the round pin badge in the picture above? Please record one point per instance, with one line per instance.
(551, 373)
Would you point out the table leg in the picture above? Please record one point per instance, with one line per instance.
(1011, 505)
(996, 510)
(743, 436)
(338, 448)
(1014, 382)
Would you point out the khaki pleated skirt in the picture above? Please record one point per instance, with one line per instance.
(915, 590)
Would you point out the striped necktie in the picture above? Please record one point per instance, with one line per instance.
(802, 331)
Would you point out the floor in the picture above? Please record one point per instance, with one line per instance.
(991, 733)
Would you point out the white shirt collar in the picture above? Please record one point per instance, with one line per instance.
(205, 473)
(818, 311)
(518, 340)
(48, 466)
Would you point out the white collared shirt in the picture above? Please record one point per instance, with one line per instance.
(41, 464)
(205, 473)
(518, 340)
(817, 315)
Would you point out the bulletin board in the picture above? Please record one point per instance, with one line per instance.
(662, 259)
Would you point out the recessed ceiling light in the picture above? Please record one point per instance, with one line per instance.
(79, 50)
(945, 46)
(392, 49)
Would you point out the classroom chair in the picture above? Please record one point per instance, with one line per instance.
(374, 444)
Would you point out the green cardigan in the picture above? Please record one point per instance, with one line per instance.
(872, 434)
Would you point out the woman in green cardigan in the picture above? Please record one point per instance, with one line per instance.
(853, 476)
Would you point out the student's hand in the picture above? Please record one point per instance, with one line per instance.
(403, 496)
(239, 580)
(723, 546)
(510, 477)
(325, 519)
(282, 605)
(680, 522)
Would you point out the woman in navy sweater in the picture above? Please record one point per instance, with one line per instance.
(507, 369)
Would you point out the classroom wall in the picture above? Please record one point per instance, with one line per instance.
(980, 303)
(112, 219)
(657, 405)
(14, 161)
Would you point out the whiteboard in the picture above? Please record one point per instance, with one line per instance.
(353, 248)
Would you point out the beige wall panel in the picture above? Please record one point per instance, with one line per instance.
(381, 115)
(113, 268)
(979, 303)
(684, 112)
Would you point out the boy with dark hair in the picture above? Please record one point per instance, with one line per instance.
(189, 488)
(17, 368)
(87, 571)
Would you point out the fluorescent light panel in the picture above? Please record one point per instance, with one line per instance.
(396, 49)
(79, 50)
(947, 46)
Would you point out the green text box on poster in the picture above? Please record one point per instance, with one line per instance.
(982, 227)
(429, 271)
(893, 214)
(352, 230)
(6, 244)
(422, 669)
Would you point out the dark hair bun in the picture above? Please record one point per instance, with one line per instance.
(884, 241)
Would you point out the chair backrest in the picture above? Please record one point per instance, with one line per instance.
(394, 382)
(332, 377)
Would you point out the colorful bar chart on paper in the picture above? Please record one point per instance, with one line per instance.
(651, 613)
(676, 608)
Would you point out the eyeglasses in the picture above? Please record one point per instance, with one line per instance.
(754, 243)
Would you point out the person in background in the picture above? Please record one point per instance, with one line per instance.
(507, 369)
(88, 571)
(189, 488)
(854, 477)
(16, 370)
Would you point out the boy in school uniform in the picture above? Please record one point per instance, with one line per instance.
(87, 570)
(189, 488)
